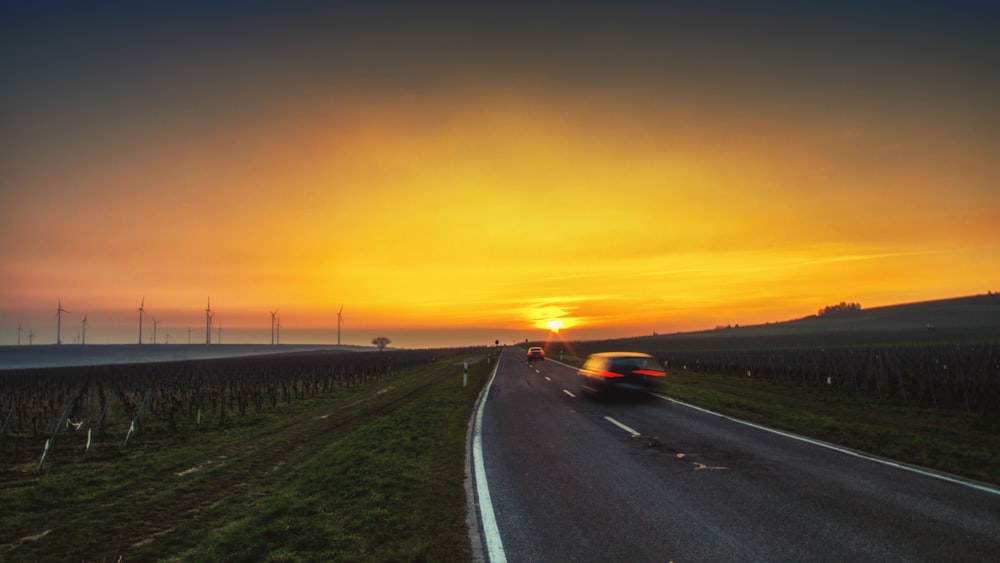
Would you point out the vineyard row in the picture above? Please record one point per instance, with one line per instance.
(122, 399)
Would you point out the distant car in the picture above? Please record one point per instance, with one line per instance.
(536, 353)
(619, 372)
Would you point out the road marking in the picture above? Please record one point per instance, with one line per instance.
(698, 466)
(622, 426)
(547, 378)
(841, 449)
(491, 532)
(568, 393)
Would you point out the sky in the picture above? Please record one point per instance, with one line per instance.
(455, 173)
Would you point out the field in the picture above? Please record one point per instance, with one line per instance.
(354, 463)
(939, 354)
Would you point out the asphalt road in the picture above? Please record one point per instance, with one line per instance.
(574, 479)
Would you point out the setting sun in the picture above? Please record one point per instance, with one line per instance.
(554, 325)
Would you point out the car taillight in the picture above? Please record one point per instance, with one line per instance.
(649, 372)
(610, 374)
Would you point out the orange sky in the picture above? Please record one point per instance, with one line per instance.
(424, 186)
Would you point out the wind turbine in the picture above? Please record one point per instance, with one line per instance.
(18, 334)
(31, 336)
(59, 312)
(277, 331)
(208, 322)
(154, 330)
(273, 313)
(142, 310)
(84, 322)
(340, 321)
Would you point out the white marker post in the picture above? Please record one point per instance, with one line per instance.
(131, 430)
(465, 374)
(45, 453)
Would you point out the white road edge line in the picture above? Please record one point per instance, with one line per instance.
(622, 426)
(841, 449)
(491, 533)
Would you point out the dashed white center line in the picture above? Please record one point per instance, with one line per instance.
(622, 426)
(547, 378)
(568, 393)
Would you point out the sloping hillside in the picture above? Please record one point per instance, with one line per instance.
(963, 319)
(978, 311)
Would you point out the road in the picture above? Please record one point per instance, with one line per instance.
(574, 479)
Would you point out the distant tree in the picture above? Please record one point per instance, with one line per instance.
(381, 342)
(841, 310)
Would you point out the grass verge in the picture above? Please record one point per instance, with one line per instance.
(389, 491)
(954, 442)
(373, 473)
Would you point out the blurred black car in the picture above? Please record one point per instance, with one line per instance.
(619, 372)
(536, 353)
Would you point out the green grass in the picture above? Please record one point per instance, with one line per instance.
(950, 441)
(372, 473)
(386, 492)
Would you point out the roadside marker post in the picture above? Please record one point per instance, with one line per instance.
(465, 374)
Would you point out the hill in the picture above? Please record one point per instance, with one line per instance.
(977, 311)
(962, 319)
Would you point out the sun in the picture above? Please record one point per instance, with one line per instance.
(554, 325)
